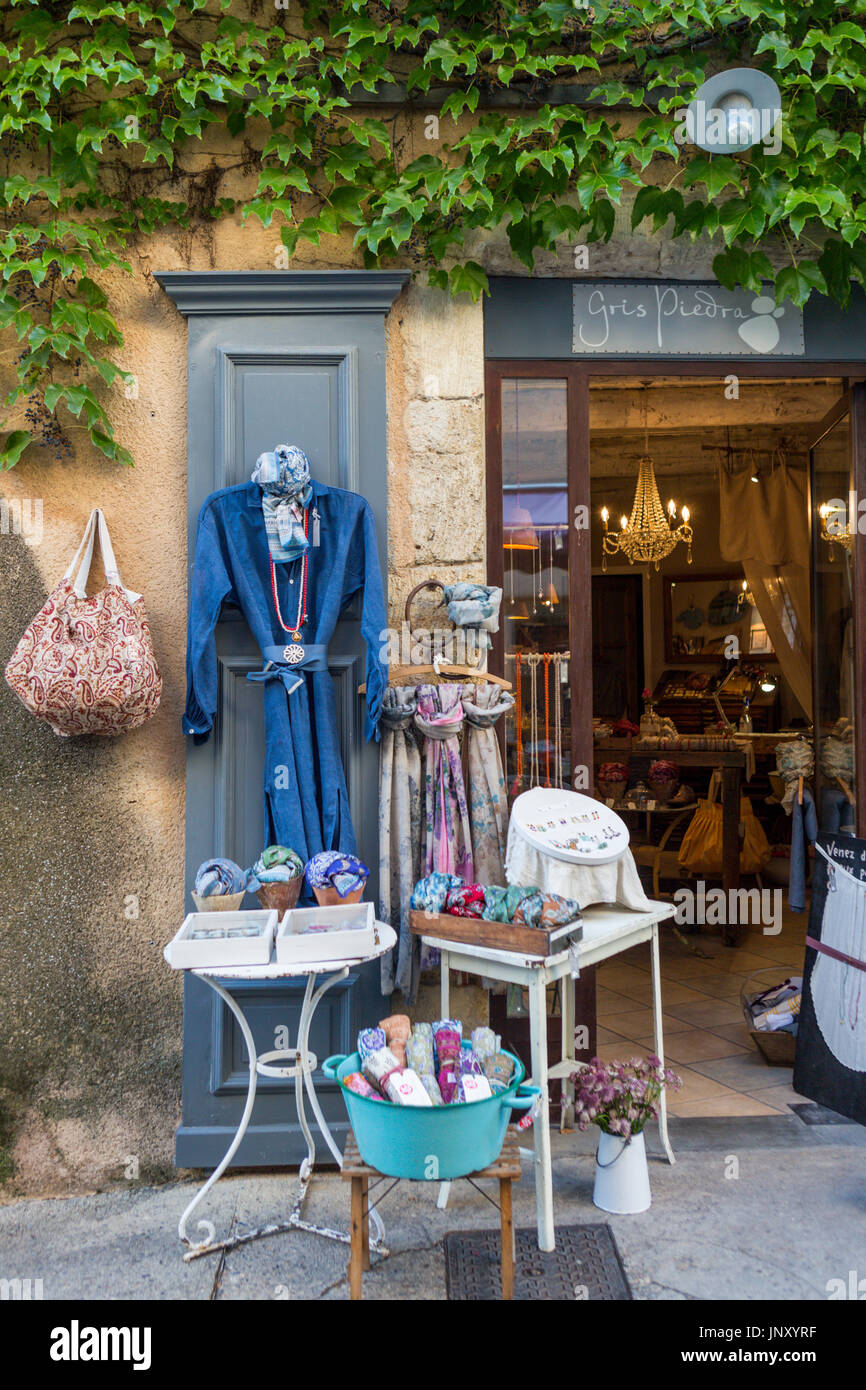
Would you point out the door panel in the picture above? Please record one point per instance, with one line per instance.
(255, 382)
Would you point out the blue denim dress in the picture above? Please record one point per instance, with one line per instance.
(306, 800)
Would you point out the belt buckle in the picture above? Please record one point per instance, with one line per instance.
(293, 654)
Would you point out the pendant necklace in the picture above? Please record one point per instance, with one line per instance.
(294, 632)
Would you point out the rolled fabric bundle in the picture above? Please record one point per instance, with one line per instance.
(419, 1053)
(465, 901)
(470, 1064)
(404, 1087)
(216, 877)
(499, 1069)
(431, 1086)
(447, 1042)
(377, 1066)
(449, 1082)
(495, 904)
(430, 893)
(343, 872)
(529, 909)
(276, 864)
(557, 911)
(361, 1086)
(371, 1040)
(484, 1043)
(453, 1024)
(397, 1029)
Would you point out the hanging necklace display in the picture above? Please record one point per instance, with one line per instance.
(557, 717)
(517, 784)
(547, 719)
(533, 660)
(294, 653)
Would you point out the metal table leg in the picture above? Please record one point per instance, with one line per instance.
(298, 1062)
(658, 1039)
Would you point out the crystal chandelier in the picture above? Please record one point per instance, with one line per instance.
(834, 525)
(650, 533)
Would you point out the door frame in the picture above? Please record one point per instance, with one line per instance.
(852, 403)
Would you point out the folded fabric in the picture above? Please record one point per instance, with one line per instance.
(430, 893)
(405, 1088)
(546, 910)
(378, 1065)
(371, 1040)
(397, 1029)
(448, 1078)
(360, 1085)
(276, 864)
(330, 869)
(499, 1070)
(501, 904)
(466, 901)
(474, 606)
(216, 877)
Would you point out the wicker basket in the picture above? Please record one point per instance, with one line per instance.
(662, 791)
(218, 902)
(282, 896)
(777, 1049)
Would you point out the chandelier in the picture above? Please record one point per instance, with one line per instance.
(650, 533)
(834, 525)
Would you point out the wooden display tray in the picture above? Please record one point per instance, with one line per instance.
(501, 936)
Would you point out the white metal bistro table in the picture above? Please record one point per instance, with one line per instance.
(298, 1062)
(607, 930)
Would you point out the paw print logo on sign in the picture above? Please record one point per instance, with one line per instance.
(761, 333)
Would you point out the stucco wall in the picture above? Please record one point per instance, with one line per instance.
(93, 830)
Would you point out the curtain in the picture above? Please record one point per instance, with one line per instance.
(399, 836)
(764, 527)
(483, 705)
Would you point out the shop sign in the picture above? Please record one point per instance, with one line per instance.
(692, 319)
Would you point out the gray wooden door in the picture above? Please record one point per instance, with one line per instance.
(305, 367)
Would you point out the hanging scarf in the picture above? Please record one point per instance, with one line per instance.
(399, 837)
(488, 803)
(448, 841)
(474, 606)
(284, 477)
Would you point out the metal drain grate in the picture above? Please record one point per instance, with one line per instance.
(584, 1265)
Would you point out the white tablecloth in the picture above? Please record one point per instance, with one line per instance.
(616, 882)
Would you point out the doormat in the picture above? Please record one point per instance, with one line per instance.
(813, 1114)
(584, 1265)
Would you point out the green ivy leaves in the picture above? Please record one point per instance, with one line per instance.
(106, 108)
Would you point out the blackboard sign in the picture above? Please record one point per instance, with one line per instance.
(670, 318)
(830, 1065)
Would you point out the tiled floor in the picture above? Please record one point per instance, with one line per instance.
(705, 1038)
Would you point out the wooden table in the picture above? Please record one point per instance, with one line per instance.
(505, 1170)
(606, 931)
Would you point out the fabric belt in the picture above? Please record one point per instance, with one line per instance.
(834, 954)
(290, 664)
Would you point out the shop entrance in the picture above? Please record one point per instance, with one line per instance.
(745, 636)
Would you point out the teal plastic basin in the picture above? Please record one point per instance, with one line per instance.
(430, 1143)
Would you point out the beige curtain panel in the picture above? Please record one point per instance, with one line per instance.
(764, 527)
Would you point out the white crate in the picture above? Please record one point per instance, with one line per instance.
(344, 932)
(219, 947)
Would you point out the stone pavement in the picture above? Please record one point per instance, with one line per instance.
(757, 1208)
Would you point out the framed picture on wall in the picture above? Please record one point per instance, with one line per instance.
(701, 611)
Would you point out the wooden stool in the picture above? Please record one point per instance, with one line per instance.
(505, 1168)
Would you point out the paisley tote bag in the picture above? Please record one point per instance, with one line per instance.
(86, 665)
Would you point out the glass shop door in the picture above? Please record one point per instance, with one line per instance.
(838, 529)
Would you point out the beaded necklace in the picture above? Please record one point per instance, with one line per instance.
(294, 632)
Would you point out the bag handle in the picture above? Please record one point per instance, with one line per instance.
(112, 573)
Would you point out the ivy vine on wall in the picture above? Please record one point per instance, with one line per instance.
(105, 105)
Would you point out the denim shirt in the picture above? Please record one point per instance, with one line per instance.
(306, 800)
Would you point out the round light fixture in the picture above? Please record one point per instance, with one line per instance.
(733, 111)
